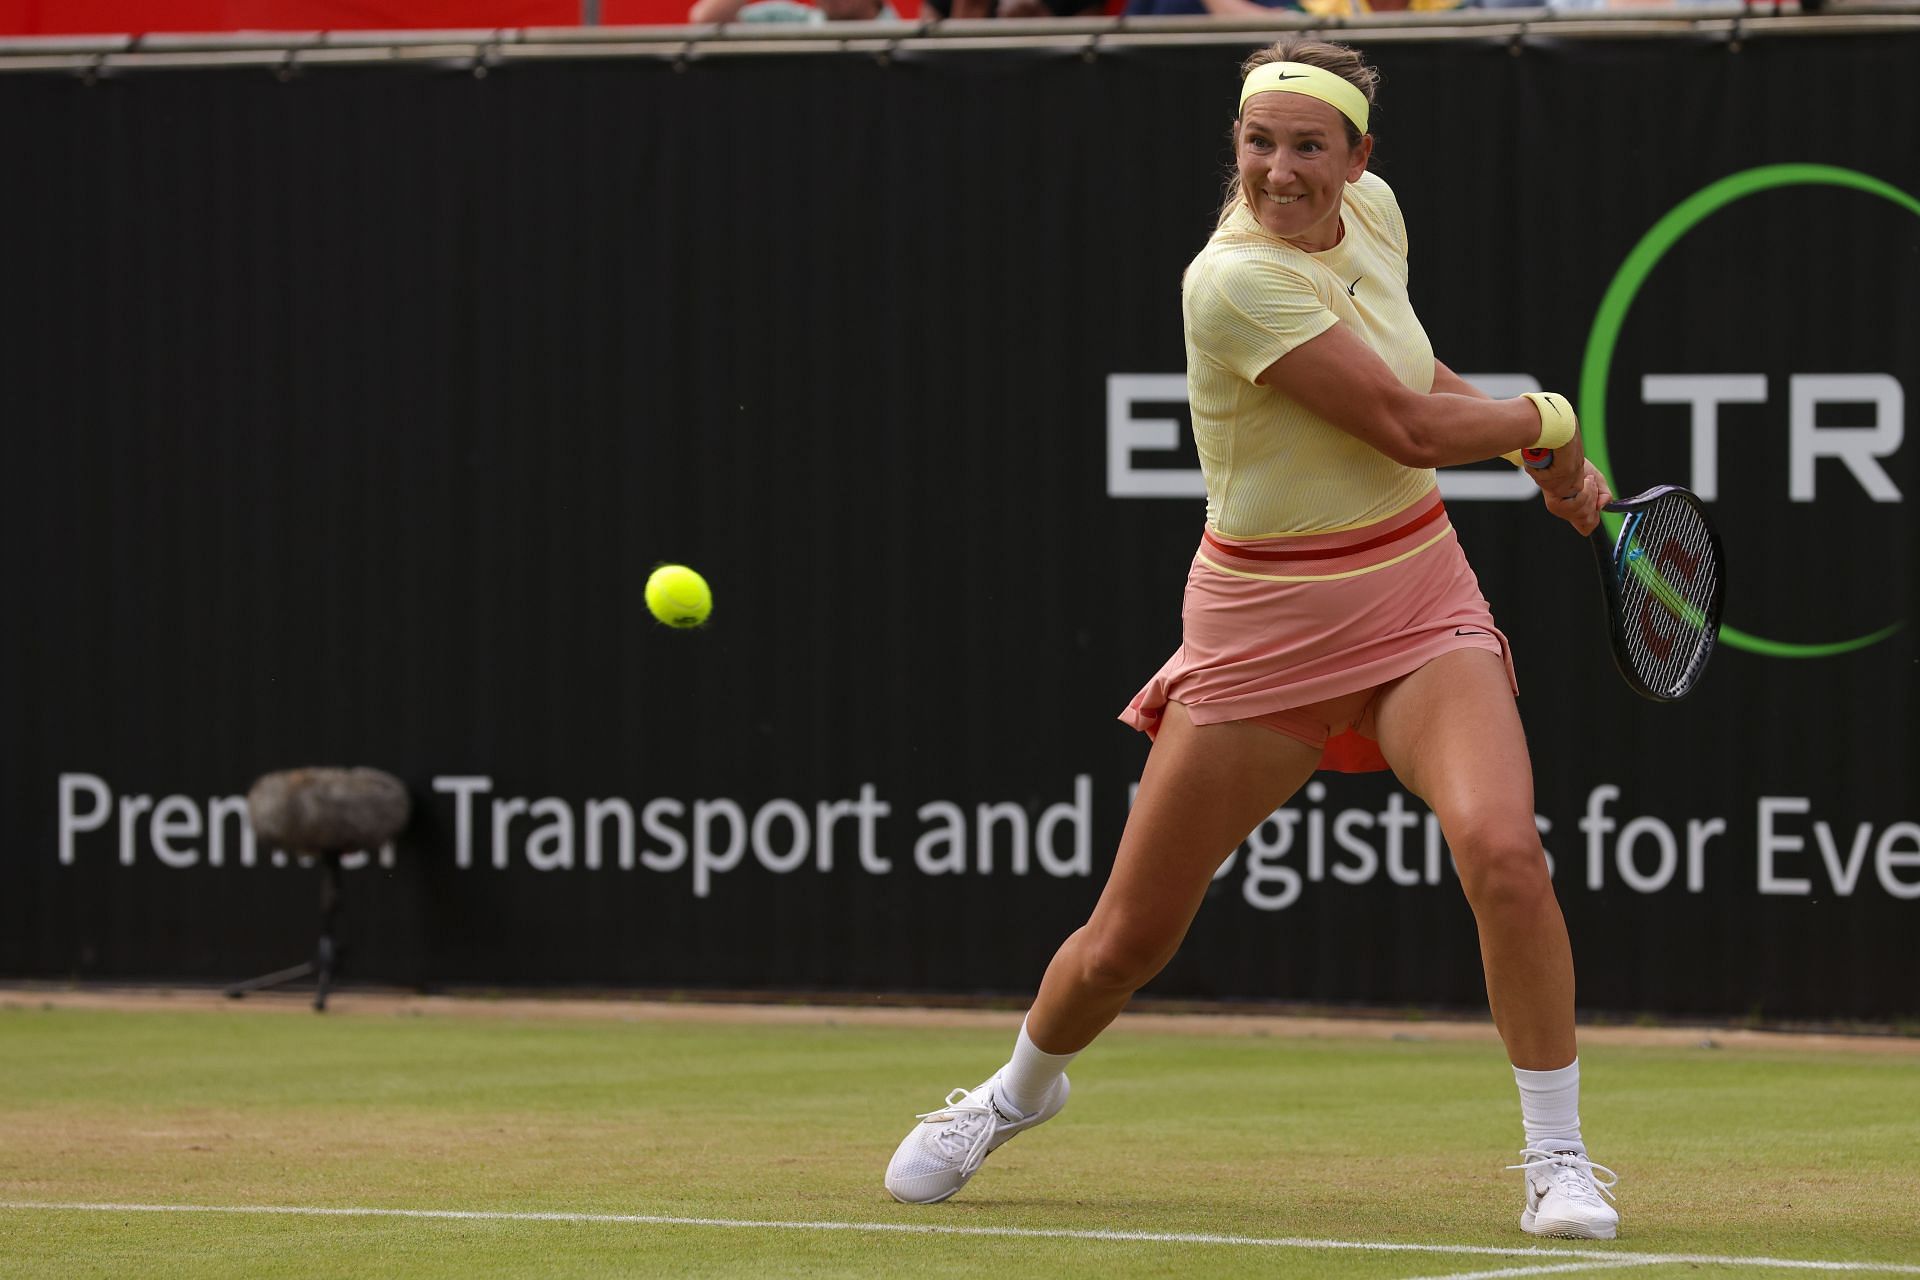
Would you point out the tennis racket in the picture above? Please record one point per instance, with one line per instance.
(1665, 578)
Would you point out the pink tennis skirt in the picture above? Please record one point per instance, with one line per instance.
(1274, 624)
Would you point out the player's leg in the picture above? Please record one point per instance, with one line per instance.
(1452, 733)
(1203, 789)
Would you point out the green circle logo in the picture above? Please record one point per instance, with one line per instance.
(1633, 273)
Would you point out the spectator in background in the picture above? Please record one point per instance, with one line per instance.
(1013, 8)
(1318, 8)
(1350, 8)
(792, 11)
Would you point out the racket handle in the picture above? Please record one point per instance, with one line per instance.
(1538, 459)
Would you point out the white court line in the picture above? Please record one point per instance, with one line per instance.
(1018, 1233)
(1503, 1272)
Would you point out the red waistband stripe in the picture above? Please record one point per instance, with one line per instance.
(1435, 510)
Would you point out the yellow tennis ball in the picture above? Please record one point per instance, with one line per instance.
(678, 596)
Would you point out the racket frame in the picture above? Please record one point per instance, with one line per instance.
(1610, 558)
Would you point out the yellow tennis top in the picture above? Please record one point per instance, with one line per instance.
(1271, 466)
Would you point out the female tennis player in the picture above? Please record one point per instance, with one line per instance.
(1330, 621)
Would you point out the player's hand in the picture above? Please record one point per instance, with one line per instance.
(1580, 504)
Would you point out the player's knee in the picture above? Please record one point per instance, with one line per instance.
(1122, 959)
(1502, 867)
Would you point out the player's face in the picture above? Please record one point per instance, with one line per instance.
(1294, 164)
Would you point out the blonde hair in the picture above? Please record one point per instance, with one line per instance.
(1344, 61)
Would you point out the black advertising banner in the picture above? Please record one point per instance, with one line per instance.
(348, 413)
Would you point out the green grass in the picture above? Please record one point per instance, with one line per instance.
(1724, 1152)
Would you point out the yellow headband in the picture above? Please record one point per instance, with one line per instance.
(1316, 82)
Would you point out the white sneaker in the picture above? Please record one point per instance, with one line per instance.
(1564, 1191)
(948, 1146)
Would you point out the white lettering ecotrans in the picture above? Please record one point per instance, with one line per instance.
(1704, 394)
(1857, 445)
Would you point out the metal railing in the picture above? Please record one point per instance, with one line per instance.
(288, 52)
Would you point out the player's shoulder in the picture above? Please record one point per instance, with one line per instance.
(1373, 190)
(1373, 200)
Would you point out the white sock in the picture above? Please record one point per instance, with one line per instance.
(1550, 1107)
(1026, 1081)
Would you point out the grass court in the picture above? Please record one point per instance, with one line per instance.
(422, 1139)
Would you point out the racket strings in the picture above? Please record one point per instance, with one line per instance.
(1669, 581)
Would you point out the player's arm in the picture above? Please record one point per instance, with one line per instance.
(1569, 461)
(1447, 382)
(1568, 474)
(1344, 381)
